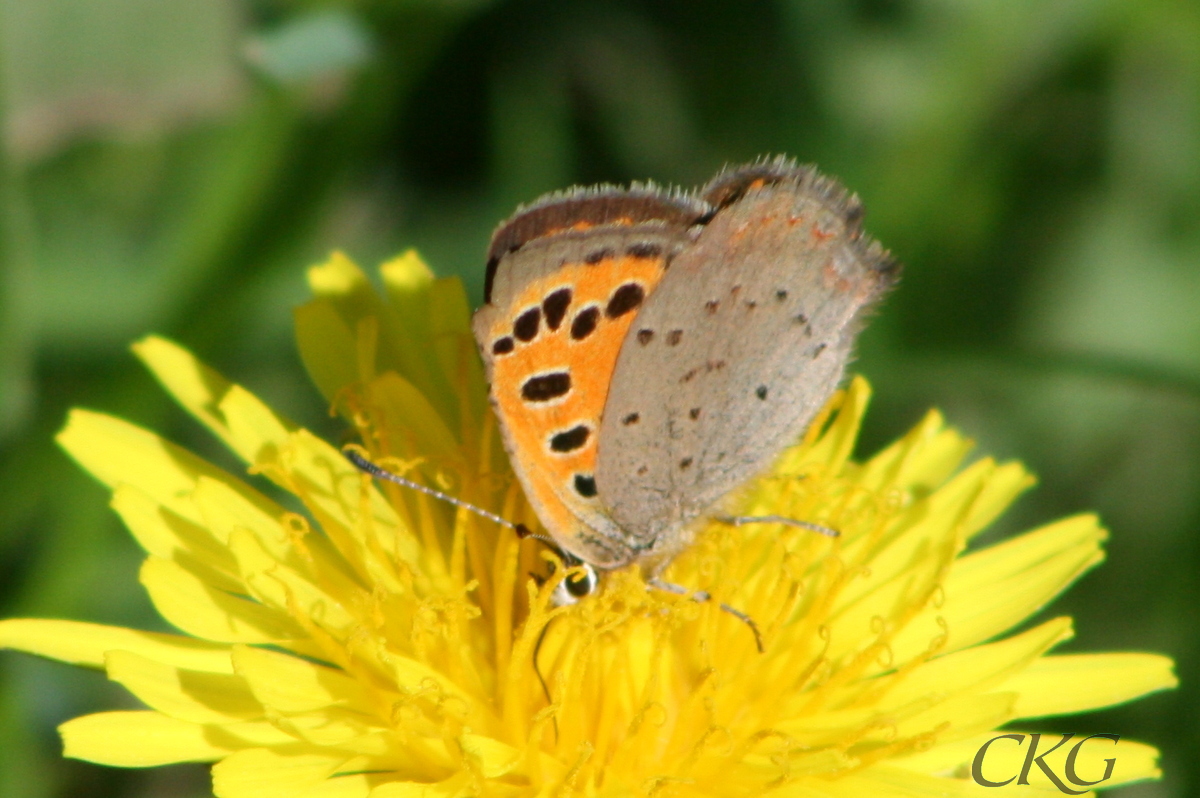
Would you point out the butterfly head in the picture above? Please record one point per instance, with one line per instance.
(581, 581)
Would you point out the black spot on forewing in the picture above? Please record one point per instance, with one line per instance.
(570, 440)
(685, 464)
(585, 322)
(545, 387)
(624, 299)
(595, 256)
(502, 346)
(761, 392)
(585, 485)
(555, 306)
(644, 249)
(525, 328)
(694, 413)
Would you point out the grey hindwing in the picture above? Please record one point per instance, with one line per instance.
(745, 339)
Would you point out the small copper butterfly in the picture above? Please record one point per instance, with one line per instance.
(649, 351)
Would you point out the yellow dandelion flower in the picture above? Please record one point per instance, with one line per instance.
(369, 641)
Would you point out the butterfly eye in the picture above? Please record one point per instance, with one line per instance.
(576, 586)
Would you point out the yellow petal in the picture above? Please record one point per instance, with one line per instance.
(86, 644)
(836, 443)
(201, 610)
(888, 781)
(194, 385)
(224, 509)
(406, 410)
(323, 339)
(117, 452)
(490, 756)
(453, 787)
(137, 740)
(408, 280)
(990, 591)
(456, 353)
(353, 785)
(165, 534)
(920, 461)
(337, 277)
(908, 567)
(1071, 683)
(400, 334)
(193, 696)
(290, 684)
(256, 432)
(411, 289)
(333, 491)
(962, 716)
(1006, 483)
(250, 428)
(977, 667)
(263, 773)
(275, 585)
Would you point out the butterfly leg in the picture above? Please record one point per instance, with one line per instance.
(739, 520)
(703, 595)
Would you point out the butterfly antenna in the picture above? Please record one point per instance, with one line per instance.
(379, 472)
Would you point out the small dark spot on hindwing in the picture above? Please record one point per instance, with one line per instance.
(674, 337)
(685, 464)
(761, 392)
(694, 413)
(645, 336)
(632, 418)
(712, 305)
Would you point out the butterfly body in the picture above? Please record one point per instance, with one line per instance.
(650, 352)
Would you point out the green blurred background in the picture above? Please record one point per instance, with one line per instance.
(174, 166)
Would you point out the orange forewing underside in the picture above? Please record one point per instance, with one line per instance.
(549, 475)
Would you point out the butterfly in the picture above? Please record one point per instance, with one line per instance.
(649, 351)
